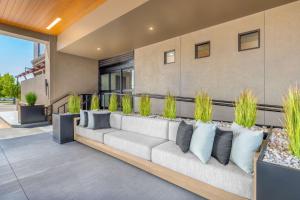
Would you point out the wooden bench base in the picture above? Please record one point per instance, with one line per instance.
(186, 182)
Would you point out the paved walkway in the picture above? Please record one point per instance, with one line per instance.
(8, 133)
(36, 168)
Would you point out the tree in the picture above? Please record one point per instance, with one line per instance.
(8, 86)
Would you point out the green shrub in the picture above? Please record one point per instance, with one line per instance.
(203, 107)
(170, 107)
(145, 105)
(31, 98)
(74, 102)
(113, 103)
(126, 104)
(245, 109)
(95, 102)
(291, 108)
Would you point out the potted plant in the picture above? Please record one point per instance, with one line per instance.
(170, 107)
(278, 166)
(203, 107)
(31, 113)
(63, 129)
(245, 109)
(127, 104)
(113, 103)
(95, 102)
(145, 106)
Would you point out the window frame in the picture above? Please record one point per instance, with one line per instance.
(196, 49)
(240, 35)
(165, 56)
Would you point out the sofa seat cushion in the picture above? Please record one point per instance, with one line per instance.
(145, 125)
(229, 178)
(97, 135)
(133, 143)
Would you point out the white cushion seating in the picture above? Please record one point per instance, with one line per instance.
(154, 140)
(146, 126)
(115, 120)
(229, 178)
(133, 143)
(97, 135)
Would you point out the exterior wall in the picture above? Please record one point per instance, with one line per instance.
(74, 74)
(37, 85)
(268, 71)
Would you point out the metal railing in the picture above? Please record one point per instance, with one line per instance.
(262, 107)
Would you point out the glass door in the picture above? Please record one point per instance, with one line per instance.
(118, 81)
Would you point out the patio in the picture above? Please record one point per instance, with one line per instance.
(34, 167)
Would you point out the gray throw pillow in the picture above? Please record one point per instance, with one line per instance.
(98, 120)
(222, 146)
(83, 118)
(184, 136)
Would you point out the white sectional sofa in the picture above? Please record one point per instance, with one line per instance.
(151, 141)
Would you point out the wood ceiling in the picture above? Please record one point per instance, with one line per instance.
(36, 15)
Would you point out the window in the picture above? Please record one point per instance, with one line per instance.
(41, 49)
(202, 50)
(169, 57)
(249, 40)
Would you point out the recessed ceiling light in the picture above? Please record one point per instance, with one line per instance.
(53, 23)
(98, 49)
(151, 28)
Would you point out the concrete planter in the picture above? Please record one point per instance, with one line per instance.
(63, 127)
(31, 114)
(276, 182)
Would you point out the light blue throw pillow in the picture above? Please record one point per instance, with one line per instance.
(244, 146)
(203, 140)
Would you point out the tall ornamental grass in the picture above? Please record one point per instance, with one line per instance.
(95, 102)
(145, 105)
(203, 107)
(31, 98)
(170, 107)
(126, 104)
(113, 103)
(245, 109)
(74, 102)
(291, 106)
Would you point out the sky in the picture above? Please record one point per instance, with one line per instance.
(15, 54)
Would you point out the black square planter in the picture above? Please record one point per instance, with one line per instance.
(276, 182)
(63, 127)
(31, 114)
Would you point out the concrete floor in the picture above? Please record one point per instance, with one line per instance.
(36, 168)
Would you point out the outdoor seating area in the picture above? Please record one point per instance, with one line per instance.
(154, 140)
(149, 99)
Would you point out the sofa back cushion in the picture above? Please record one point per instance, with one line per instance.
(146, 126)
(115, 120)
(173, 128)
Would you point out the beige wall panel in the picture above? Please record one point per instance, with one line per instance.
(274, 118)
(37, 85)
(227, 71)
(282, 51)
(74, 74)
(151, 74)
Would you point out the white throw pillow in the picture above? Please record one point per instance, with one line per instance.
(203, 140)
(244, 146)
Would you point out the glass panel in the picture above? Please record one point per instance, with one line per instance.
(127, 79)
(105, 82)
(42, 48)
(202, 50)
(104, 100)
(115, 81)
(249, 41)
